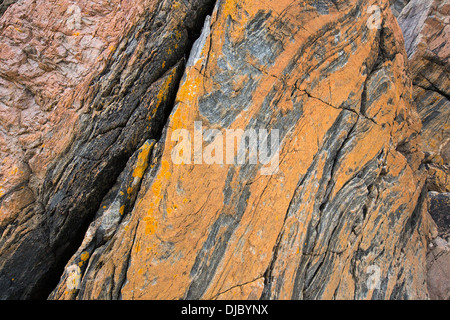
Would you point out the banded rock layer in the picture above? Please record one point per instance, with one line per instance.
(425, 25)
(341, 214)
(342, 217)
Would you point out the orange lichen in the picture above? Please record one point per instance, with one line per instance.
(84, 256)
(150, 225)
(164, 91)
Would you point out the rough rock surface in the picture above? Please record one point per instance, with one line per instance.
(82, 88)
(344, 216)
(438, 264)
(4, 4)
(89, 173)
(397, 6)
(426, 30)
(440, 212)
(425, 25)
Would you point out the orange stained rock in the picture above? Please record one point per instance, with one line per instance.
(179, 235)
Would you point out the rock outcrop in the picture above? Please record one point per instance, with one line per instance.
(83, 87)
(425, 26)
(426, 32)
(123, 159)
(342, 217)
(4, 4)
(438, 257)
(397, 6)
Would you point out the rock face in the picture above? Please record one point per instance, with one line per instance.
(438, 270)
(139, 208)
(426, 32)
(342, 217)
(425, 26)
(397, 6)
(4, 4)
(438, 257)
(82, 90)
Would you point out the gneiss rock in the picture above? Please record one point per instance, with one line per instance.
(426, 32)
(397, 6)
(344, 216)
(83, 86)
(425, 26)
(4, 4)
(438, 262)
(114, 207)
(439, 208)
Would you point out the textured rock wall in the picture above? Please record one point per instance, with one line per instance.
(343, 217)
(425, 26)
(83, 87)
(4, 4)
(397, 6)
(426, 32)
(93, 185)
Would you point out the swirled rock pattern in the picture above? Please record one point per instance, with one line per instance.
(343, 217)
(106, 200)
(426, 31)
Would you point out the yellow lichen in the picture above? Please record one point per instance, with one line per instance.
(189, 88)
(176, 5)
(162, 94)
(142, 162)
(150, 225)
(156, 187)
(84, 256)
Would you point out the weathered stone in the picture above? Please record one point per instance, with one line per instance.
(440, 212)
(397, 6)
(343, 217)
(93, 99)
(116, 204)
(438, 261)
(82, 87)
(426, 32)
(438, 256)
(4, 4)
(438, 178)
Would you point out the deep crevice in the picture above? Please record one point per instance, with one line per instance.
(51, 281)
